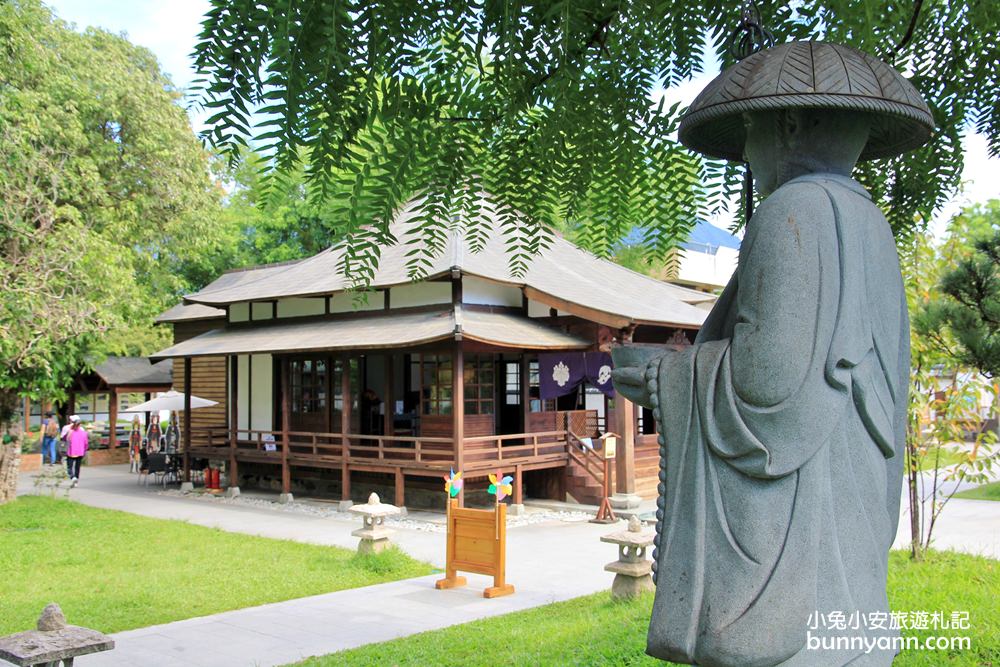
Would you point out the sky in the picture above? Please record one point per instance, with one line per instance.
(170, 30)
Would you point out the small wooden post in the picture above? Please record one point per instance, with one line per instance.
(286, 408)
(345, 428)
(605, 514)
(518, 495)
(234, 363)
(187, 419)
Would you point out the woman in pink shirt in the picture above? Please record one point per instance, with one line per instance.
(77, 441)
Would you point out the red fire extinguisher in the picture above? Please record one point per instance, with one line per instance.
(215, 478)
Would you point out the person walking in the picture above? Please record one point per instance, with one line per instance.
(50, 435)
(77, 441)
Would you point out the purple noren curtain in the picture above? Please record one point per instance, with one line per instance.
(560, 373)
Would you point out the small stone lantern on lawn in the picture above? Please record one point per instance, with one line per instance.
(632, 569)
(374, 535)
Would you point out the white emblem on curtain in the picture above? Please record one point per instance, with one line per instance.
(560, 374)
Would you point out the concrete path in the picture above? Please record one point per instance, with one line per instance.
(546, 563)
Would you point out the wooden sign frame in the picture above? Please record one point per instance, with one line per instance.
(477, 542)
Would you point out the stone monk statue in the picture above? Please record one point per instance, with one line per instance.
(782, 427)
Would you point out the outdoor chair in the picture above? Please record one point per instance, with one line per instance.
(156, 465)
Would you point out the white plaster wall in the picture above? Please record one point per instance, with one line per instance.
(594, 402)
(242, 386)
(702, 268)
(300, 307)
(419, 294)
(262, 401)
(488, 293)
(262, 311)
(539, 309)
(239, 312)
(344, 302)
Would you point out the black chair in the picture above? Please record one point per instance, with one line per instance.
(156, 465)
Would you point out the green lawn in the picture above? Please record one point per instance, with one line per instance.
(989, 491)
(942, 459)
(594, 630)
(114, 571)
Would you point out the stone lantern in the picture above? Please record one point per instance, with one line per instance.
(374, 535)
(632, 569)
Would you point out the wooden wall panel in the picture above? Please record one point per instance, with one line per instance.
(440, 426)
(208, 380)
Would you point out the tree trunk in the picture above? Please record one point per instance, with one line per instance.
(10, 447)
(10, 464)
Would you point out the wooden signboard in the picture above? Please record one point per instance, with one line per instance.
(477, 542)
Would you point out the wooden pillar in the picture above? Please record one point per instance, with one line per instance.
(625, 424)
(400, 496)
(286, 407)
(234, 363)
(330, 365)
(113, 418)
(345, 428)
(388, 423)
(518, 480)
(458, 409)
(525, 394)
(149, 396)
(187, 419)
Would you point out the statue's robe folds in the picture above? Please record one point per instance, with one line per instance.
(781, 464)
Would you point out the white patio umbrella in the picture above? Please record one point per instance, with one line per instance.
(170, 400)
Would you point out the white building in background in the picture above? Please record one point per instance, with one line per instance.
(709, 258)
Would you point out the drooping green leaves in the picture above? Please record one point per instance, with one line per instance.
(549, 107)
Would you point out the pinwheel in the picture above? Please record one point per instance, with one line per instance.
(453, 483)
(500, 486)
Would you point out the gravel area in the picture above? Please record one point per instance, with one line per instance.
(424, 521)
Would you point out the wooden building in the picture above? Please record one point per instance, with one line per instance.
(100, 395)
(325, 390)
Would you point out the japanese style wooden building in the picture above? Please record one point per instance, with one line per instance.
(322, 394)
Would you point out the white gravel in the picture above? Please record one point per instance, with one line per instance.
(434, 522)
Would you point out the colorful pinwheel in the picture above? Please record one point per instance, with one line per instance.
(502, 488)
(453, 483)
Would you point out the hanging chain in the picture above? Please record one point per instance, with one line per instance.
(748, 38)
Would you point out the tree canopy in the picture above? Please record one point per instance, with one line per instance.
(105, 192)
(550, 107)
(966, 304)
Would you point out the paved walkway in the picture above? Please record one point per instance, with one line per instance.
(546, 563)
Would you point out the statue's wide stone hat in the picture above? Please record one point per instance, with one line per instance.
(815, 75)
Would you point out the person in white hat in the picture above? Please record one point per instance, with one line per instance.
(77, 442)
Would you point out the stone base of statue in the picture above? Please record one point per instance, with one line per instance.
(625, 501)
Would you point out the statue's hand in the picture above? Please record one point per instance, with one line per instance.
(630, 382)
(629, 375)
